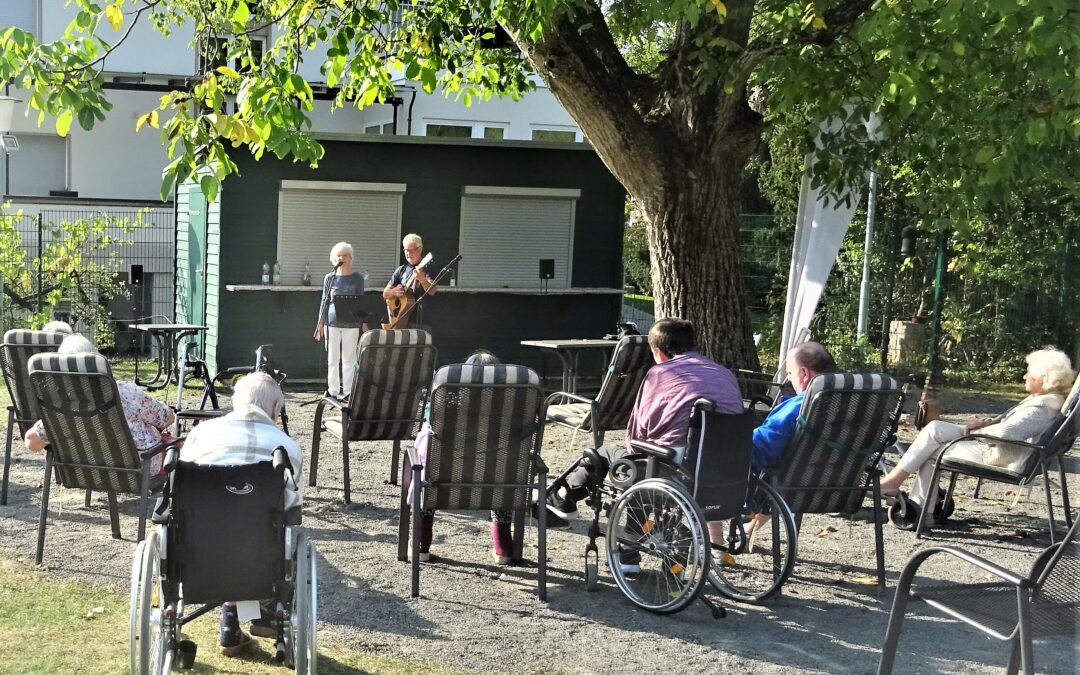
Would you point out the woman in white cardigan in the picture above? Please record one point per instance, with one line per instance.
(1048, 379)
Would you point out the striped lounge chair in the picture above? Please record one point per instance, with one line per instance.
(393, 373)
(610, 410)
(845, 423)
(90, 443)
(15, 353)
(484, 453)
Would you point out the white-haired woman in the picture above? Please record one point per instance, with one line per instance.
(1047, 380)
(342, 332)
(146, 417)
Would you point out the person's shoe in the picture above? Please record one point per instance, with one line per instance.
(232, 639)
(502, 542)
(554, 522)
(629, 563)
(563, 507)
(263, 628)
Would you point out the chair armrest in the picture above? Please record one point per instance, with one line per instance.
(161, 447)
(195, 414)
(340, 405)
(565, 394)
(539, 464)
(654, 450)
(754, 400)
(919, 558)
(414, 456)
(985, 437)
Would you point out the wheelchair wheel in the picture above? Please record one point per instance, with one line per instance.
(304, 603)
(657, 524)
(904, 513)
(753, 570)
(148, 639)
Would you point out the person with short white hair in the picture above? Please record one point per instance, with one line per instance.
(410, 279)
(342, 331)
(1048, 379)
(247, 435)
(62, 327)
(147, 418)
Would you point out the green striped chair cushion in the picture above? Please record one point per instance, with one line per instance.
(844, 425)
(486, 427)
(88, 433)
(393, 373)
(19, 345)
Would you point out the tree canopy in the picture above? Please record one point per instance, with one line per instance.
(973, 96)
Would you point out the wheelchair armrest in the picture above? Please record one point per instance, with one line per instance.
(171, 458)
(655, 450)
(566, 395)
(161, 447)
(281, 459)
(340, 405)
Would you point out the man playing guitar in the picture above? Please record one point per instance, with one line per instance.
(408, 280)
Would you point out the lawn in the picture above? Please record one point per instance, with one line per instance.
(48, 626)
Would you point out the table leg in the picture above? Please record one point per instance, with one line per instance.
(567, 369)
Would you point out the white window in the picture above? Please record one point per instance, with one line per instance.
(465, 129)
(315, 215)
(506, 231)
(386, 129)
(553, 134)
(39, 165)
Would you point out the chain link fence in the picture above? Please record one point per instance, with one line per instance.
(137, 248)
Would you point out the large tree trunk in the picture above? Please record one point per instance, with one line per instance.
(693, 241)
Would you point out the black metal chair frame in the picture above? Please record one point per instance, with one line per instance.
(147, 482)
(350, 424)
(411, 463)
(872, 481)
(592, 422)
(1026, 589)
(23, 418)
(1060, 439)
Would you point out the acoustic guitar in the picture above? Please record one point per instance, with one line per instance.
(398, 309)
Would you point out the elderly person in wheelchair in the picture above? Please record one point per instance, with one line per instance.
(248, 435)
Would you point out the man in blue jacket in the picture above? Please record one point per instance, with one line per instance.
(804, 362)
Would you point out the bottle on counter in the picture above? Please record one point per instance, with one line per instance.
(266, 273)
(277, 273)
(306, 279)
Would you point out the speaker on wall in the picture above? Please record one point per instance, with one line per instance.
(135, 278)
(547, 268)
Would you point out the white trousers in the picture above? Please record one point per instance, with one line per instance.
(341, 346)
(926, 446)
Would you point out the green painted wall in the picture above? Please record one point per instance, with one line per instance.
(435, 174)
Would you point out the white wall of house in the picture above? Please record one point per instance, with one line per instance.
(144, 51)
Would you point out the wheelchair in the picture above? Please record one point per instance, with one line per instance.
(225, 378)
(196, 557)
(658, 503)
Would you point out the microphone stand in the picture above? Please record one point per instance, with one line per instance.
(434, 282)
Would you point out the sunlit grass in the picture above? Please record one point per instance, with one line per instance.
(49, 626)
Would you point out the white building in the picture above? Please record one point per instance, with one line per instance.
(113, 162)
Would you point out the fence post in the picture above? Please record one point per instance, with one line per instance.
(39, 260)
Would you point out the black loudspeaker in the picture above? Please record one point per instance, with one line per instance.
(135, 278)
(547, 268)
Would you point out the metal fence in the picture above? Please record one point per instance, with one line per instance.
(148, 249)
(989, 321)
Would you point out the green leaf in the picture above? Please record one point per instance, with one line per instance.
(209, 185)
(63, 123)
(985, 154)
(241, 14)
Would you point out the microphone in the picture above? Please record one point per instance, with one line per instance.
(340, 263)
(451, 263)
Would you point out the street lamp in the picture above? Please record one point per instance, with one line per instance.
(7, 139)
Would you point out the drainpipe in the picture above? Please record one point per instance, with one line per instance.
(412, 102)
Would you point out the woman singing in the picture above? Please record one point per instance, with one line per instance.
(342, 332)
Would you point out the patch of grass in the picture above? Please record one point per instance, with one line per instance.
(49, 626)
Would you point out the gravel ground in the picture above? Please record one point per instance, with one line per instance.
(478, 616)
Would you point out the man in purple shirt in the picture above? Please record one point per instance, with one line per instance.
(661, 412)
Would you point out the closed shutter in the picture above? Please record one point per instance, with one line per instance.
(503, 237)
(311, 220)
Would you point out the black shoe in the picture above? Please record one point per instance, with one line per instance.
(554, 522)
(232, 639)
(562, 507)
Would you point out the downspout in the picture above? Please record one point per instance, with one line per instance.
(412, 102)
